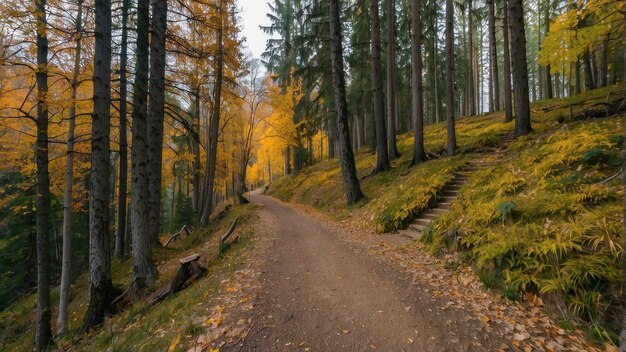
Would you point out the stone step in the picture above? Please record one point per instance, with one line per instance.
(436, 211)
(423, 221)
(431, 216)
(417, 227)
(444, 205)
(453, 188)
(450, 193)
(410, 234)
(448, 199)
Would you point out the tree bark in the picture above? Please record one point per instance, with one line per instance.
(120, 232)
(391, 80)
(215, 121)
(287, 157)
(43, 335)
(99, 245)
(622, 345)
(196, 195)
(471, 89)
(144, 272)
(382, 155)
(451, 142)
(66, 262)
(508, 103)
(494, 85)
(549, 91)
(603, 65)
(520, 68)
(589, 83)
(417, 100)
(348, 166)
(156, 116)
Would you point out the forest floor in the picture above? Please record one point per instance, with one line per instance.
(314, 284)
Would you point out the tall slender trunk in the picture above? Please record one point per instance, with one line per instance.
(382, 155)
(287, 157)
(144, 271)
(196, 195)
(120, 231)
(43, 334)
(215, 120)
(589, 83)
(603, 65)
(472, 91)
(391, 80)
(549, 93)
(520, 67)
(348, 166)
(156, 116)
(66, 263)
(622, 335)
(494, 85)
(508, 103)
(451, 142)
(539, 69)
(417, 101)
(577, 84)
(99, 245)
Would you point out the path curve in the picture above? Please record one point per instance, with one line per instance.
(320, 293)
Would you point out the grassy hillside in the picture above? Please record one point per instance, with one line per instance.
(140, 327)
(547, 219)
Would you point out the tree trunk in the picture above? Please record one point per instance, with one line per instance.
(348, 166)
(66, 263)
(288, 159)
(382, 156)
(196, 195)
(589, 83)
(471, 91)
(99, 245)
(156, 116)
(603, 65)
(508, 104)
(43, 335)
(120, 232)
(417, 101)
(622, 345)
(451, 143)
(520, 67)
(144, 272)
(391, 80)
(494, 85)
(215, 120)
(539, 69)
(549, 94)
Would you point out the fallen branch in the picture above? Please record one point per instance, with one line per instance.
(225, 237)
(177, 234)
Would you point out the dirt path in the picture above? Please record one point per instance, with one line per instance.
(320, 293)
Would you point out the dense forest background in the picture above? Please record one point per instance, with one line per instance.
(123, 121)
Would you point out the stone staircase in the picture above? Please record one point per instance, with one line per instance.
(451, 190)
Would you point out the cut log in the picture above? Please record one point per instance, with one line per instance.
(189, 271)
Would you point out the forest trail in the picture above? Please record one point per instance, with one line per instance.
(321, 293)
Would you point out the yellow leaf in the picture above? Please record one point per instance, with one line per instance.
(174, 343)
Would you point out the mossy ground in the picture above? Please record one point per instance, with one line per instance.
(542, 220)
(139, 327)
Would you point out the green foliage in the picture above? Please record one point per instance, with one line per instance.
(562, 228)
(506, 210)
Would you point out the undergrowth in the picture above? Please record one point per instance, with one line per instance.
(139, 327)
